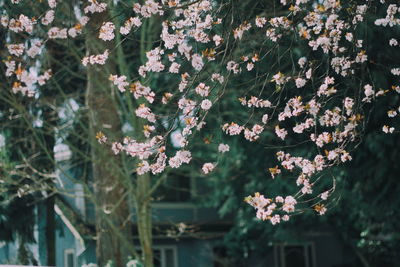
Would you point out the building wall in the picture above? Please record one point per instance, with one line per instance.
(8, 252)
(190, 252)
(65, 240)
(195, 253)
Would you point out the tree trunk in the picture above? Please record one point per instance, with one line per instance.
(144, 218)
(142, 200)
(46, 163)
(50, 232)
(113, 222)
(149, 32)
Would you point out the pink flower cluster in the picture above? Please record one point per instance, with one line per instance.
(314, 99)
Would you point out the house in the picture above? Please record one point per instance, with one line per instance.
(184, 233)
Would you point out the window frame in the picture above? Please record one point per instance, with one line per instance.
(192, 190)
(162, 249)
(70, 251)
(309, 253)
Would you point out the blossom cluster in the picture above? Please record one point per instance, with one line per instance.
(314, 100)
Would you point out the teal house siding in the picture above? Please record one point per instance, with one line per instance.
(8, 252)
(195, 253)
(84, 252)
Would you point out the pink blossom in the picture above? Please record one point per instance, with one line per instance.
(202, 89)
(280, 132)
(16, 49)
(208, 167)
(144, 112)
(57, 33)
(260, 21)
(52, 3)
(96, 59)
(107, 31)
(174, 68)
(197, 62)
(120, 82)
(48, 17)
(206, 104)
(324, 195)
(223, 148)
(232, 128)
(95, 7)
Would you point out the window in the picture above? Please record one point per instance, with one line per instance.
(176, 188)
(165, 256)
(294, 255)
(220, 258)
(69, 258)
